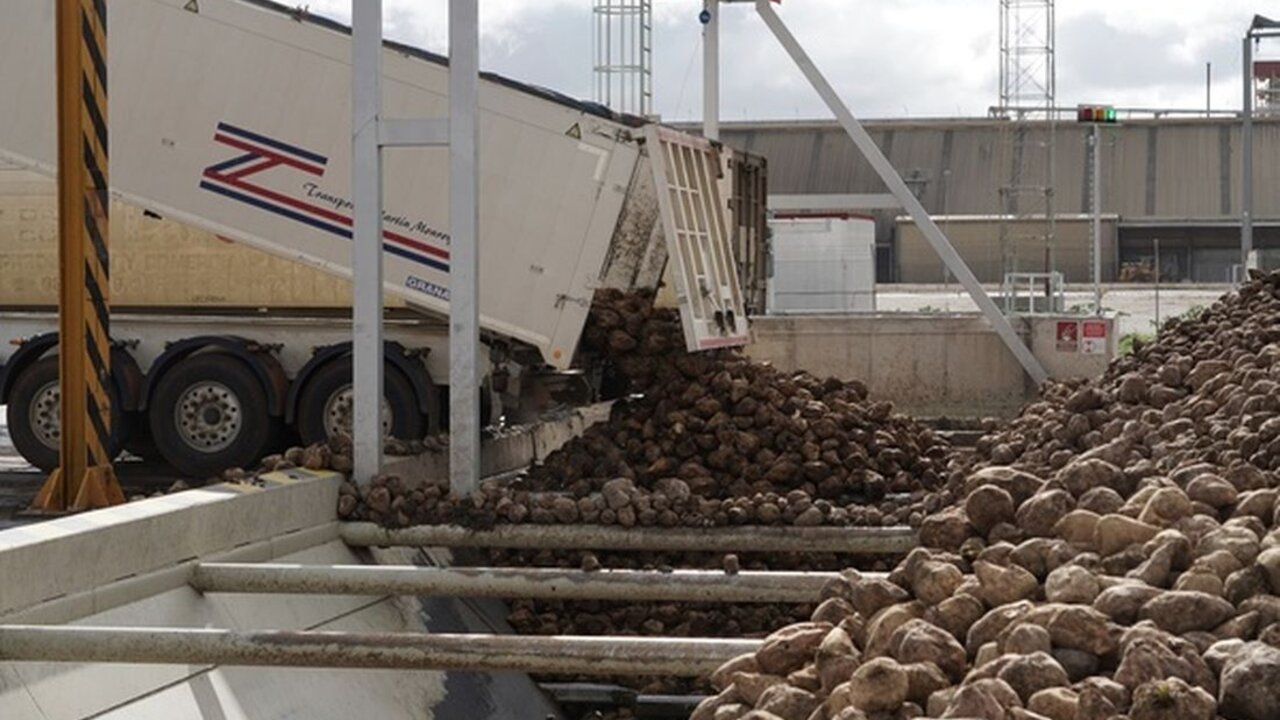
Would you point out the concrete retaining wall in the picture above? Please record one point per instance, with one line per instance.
(926, 364)
(929, 363)
(1085, 357)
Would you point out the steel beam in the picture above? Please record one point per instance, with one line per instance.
(371, 133)
(864, 142)
(711, 71)
(1246, 159)
(861, 541)
(464, 249)
(414, 132)
(1095, 210)
(366, 246)
(505, 583)
(402, 651)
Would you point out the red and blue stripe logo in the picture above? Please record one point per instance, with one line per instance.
(233, 179)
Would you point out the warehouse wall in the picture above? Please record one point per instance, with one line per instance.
(1169, 168)
(1180, 175)
(978, 241)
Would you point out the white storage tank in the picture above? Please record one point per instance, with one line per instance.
(822, 264)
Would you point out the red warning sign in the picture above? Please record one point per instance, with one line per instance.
(1095, 337)
(1068, 336)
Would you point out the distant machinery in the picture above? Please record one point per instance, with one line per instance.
(622, 39)
(1266, 79)
(1258, 89)
(1028, 90)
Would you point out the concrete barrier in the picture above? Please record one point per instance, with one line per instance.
(927, 364)
(129, 566)
(950, 364)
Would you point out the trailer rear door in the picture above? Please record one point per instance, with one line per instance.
(686, 171)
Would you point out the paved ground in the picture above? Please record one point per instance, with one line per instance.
(19, 481)
(1135, 305)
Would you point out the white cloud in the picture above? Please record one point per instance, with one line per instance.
(918, 57)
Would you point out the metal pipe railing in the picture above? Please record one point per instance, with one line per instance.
(535, 583)
(400, 651)
(860, 540)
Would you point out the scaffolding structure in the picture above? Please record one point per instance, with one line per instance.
(622, 42)
(1028, 90)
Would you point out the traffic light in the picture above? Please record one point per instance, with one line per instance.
(1096, 114)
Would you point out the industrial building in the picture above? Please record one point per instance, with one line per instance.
(1173, 179)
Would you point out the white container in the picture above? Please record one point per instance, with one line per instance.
(822, 265)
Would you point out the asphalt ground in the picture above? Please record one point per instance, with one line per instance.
(19, 481)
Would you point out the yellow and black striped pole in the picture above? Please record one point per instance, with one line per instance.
(85, 478)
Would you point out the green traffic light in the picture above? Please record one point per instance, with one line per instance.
(1110, 114)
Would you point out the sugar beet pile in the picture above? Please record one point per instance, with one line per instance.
(700, 440)
(1113, 553)
(706, 439)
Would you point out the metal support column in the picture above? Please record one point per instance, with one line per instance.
(370, 134)
(711, 70)
(941, 245)
(1095, 207)
(85, 477)
(464, 219)
(366, 248)
(1246, 160)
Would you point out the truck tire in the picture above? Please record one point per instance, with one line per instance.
(324, 405)
(34, 415)
(208, 414)
(139, 442)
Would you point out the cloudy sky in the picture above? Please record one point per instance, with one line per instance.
(887, 58)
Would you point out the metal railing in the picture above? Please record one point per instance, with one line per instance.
(597, 656)
(525, 583)
(1033, 293)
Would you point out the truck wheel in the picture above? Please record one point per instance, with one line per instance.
(139, 442)
(209, 413)
(325, 405)
(35, 415)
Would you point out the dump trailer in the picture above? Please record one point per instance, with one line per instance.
(230, 146)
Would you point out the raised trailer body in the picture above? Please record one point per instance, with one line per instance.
(230, 136)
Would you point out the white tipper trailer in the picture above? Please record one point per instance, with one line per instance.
(230, 145)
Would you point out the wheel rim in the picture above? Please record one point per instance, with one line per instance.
(208, 417)
(339, 413)
(45, 415)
